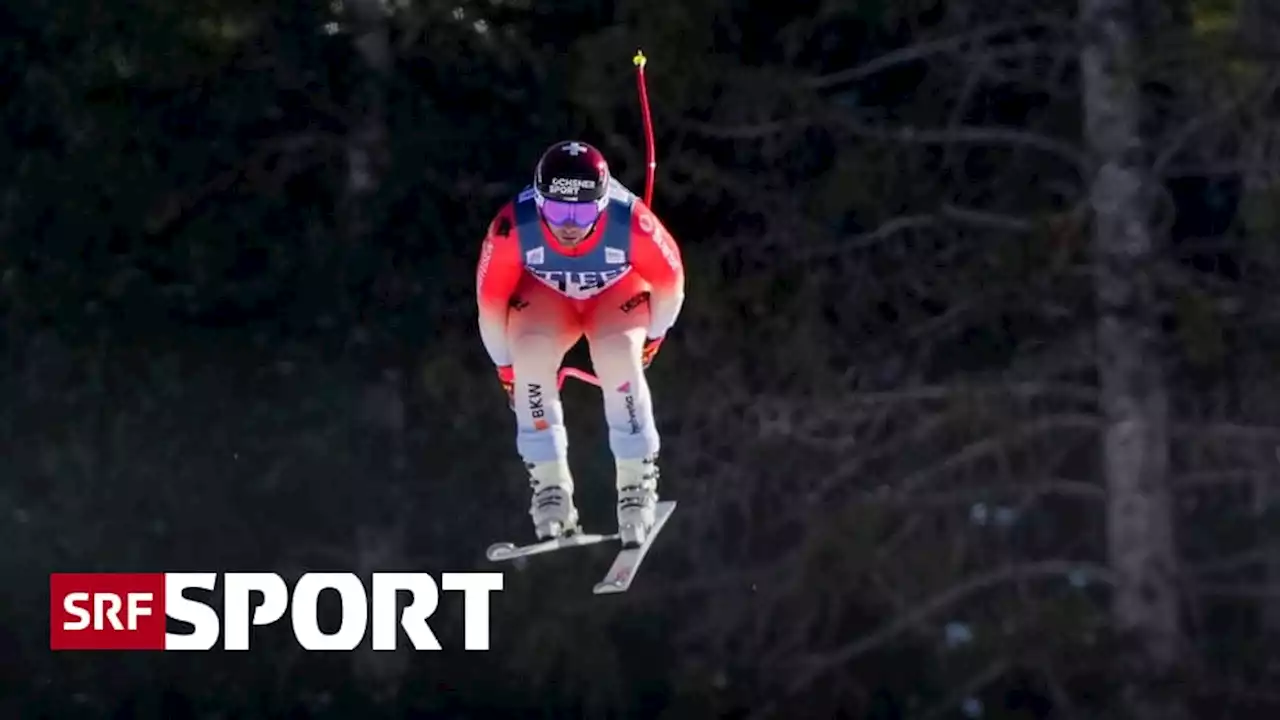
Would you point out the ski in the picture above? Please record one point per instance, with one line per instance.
(627, 564)
(498, 552)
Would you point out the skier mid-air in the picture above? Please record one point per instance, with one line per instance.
(577, 254)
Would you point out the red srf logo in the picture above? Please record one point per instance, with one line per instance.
(124, 611)
(106, 611)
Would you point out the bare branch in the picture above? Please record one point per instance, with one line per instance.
(819, 664)
(986, 218)
(1232, 563)
(1229, 431)
(1174, 145)
(923, 50)
(862, 241)
(961, 391)
(1026, 488)
(973, 451)
(1217, 478)
(1236, 592)
(975, 135)
(974, 685)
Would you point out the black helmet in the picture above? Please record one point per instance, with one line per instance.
(572, 171)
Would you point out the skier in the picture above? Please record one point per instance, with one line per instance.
(578, 254)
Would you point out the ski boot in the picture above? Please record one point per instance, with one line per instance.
(551, 507)
(637, 499)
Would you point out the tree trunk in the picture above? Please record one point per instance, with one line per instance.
(1259, 19)
(1258, 27)
(1134, 396)
(384, 400)
(366, 140)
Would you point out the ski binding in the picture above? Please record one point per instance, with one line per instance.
(625, 565)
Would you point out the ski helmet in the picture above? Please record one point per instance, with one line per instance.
(572, 172)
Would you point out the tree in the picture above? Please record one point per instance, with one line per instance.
(1133, 393)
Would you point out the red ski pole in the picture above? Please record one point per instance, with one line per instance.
(572, 372)
(651, 157)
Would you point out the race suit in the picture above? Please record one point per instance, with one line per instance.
(621, 285)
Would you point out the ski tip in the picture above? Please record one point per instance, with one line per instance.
(500, 551)
(608, 588)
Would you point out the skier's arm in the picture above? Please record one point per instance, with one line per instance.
(655, 255)
(497, 274)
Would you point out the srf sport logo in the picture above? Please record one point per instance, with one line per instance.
(132, 611)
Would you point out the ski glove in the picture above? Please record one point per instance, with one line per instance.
(507, 377)
(650, 349)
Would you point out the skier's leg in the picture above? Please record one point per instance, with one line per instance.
(542, 325)
(616, 325)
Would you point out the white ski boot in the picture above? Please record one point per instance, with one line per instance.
(637, 499)
(551, 507)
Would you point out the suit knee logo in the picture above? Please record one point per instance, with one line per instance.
(634, 301)
(536, 409)
(629, 402)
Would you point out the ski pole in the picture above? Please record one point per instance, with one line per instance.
(572, 372)
(651, 157)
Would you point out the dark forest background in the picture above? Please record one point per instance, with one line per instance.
(973, 410)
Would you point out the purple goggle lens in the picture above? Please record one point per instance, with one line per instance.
(562, 213)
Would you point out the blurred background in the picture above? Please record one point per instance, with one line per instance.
(972, 411)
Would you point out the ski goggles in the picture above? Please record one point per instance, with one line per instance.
(558, 212)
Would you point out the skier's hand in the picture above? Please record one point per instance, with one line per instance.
(649, 350)
(507, 376)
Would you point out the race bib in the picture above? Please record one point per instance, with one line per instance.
(580, 285)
